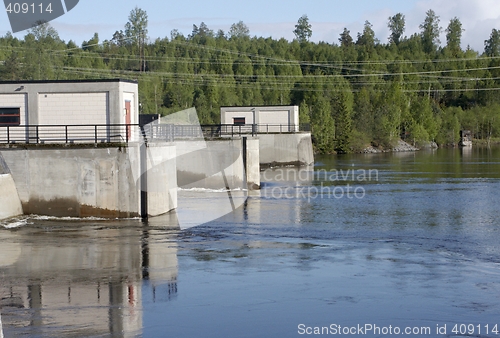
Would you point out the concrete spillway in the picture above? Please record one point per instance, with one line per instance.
(10, 205)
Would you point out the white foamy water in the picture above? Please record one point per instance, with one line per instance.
(14, 223)
(75, 219)
(18, 222)
(210, 190)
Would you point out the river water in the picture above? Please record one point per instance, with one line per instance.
(360, 244)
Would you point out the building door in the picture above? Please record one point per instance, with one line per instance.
(128, 119)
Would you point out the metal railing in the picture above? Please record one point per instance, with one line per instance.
(124, 133)
(87, 133)
(253, 129)
(171, 132)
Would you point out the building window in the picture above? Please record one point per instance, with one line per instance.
(10, 116)
(238, 121)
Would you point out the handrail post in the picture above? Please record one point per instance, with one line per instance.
(37, 134)
(95, 133)
(8, 135)
(126, 132)
(66, 132)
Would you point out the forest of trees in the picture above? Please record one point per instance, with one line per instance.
(353, 92)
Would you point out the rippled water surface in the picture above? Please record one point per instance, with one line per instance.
(415, 245)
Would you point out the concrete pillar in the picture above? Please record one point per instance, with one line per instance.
(251, 162)
(158, 179)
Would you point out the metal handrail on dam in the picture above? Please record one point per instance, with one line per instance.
(124, 133)
(81, 133)
(172, 132)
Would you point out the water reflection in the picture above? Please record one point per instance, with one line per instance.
(421, 245)
(82, 280)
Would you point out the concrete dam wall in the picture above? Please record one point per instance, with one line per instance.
(87, 181)
(286, 149)
(75, 182)
(219, 164)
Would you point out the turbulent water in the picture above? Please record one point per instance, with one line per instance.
(364, 244)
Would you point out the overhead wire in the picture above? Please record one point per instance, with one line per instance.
(439, 76)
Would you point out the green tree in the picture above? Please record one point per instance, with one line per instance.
(136, 33)
(322, 126)
(92, 44)
(363, 115)
(44, 32)
(136, 29)
(346, 38)
(424, 124)
(239, 30)
(118, 38)
(492, 45)
(454, 36)
(397, 26)
(390, 113)
(450, 126)
(303, 29)
(430, 32)
(11, 69)
(342, 105)
(202, 31)
(40, 62)
(367, 38)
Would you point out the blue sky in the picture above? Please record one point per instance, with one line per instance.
(274, 18)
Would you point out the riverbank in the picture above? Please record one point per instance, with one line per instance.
(401, 146)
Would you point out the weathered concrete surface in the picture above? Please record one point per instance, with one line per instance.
(87, 181)
(10, 205)
(4, 169)
(159, 184)
(210, 164)
(252, 167)
(285, 149)
(76, 182)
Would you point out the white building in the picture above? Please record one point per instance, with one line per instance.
(273, 119)
(32, 109)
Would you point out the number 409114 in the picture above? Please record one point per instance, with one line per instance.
(471, 329)
(26, 8)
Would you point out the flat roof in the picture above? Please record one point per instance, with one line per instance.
(263, 106)
(69, 81)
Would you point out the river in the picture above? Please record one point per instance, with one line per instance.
(360, 244)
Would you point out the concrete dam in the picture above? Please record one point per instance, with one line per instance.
(135, 179)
